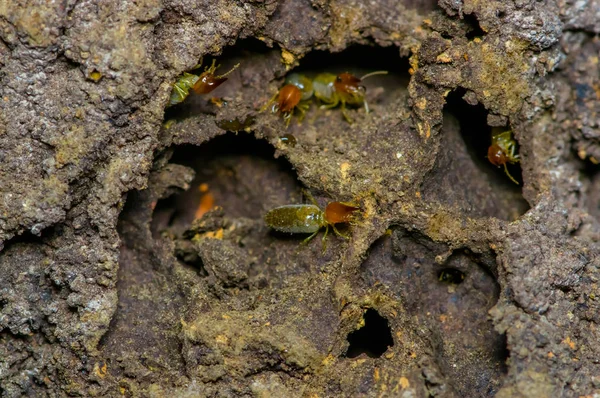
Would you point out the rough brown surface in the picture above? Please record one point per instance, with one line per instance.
(116, 281)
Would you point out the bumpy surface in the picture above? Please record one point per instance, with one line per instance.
(119, 277)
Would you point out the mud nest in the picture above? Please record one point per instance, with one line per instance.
(136, 260)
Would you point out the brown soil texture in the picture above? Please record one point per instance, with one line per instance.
(134, 256)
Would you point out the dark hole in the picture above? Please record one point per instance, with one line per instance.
(474, 27)
(359, 60)
(477, 135)
(501, 14)
(29, 238)
(451, 276)
(372, 339)
(192, 259)
(590, 177)
(475, 131)
(236, 172)
(500, 357)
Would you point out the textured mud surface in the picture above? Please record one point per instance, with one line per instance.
(135, 260)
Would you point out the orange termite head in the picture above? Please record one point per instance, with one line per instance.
(289, 97)
(207, 83)
(347, 83)
(339, 212)
(496, 155)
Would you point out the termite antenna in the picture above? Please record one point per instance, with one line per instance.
(231, 70)
(379, 72)
(509, 175)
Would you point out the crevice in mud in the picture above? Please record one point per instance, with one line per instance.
(216, 226)
(27, 237)
(149, 301)
(450, 297)
(463, 176)
(476, 134)
(357, 59)
(192, 259)
(360, 60)
(590, 175)
(250, 54)
(235, 172)
(108, 333)
(475, 30)
(451, 276)
(501, 355)
(372, 339)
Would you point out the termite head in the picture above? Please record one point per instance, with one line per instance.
(288, 98)
(339, 212)
(496, 155)
(207, 81)
(349, 85)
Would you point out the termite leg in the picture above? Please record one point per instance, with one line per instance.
(181, 90)
(366, 107)
(302, 108)
(181, 95)
(287, 116)
(345, 113)
(307, 193)
(338, 233)
(336, 102)
(514, 158)
(198, 65)
(305, 241)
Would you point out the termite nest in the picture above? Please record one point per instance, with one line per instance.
(305, 87)
(244, 222)
(308, 87)
(485, 150)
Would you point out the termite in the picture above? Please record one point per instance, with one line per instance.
(344, 88)
(201, 84)
(309, 218)
(293, 95)
(502, 151)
